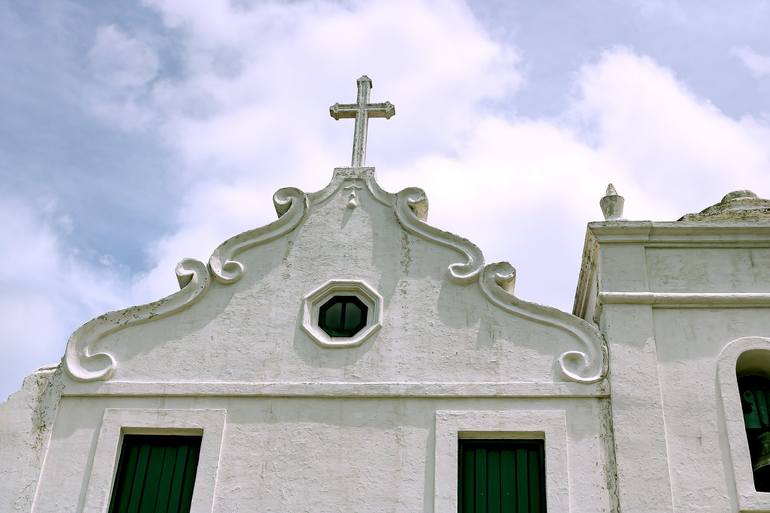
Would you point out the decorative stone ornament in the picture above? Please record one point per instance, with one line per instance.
(352, 195)
(612, 204)
(87, 360)
(317, 302)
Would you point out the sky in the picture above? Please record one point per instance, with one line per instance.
(136, 133)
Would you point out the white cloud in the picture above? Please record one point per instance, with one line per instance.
(123, 67)
(530, 184)
(676, 147)
(249, 115)
(258, 81)
(757, 63)
(121, 60)
(265, 123)
(528, 187)
(46, 292)
(667, 8)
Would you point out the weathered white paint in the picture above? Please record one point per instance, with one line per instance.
(635, 395)
(675, 301)
(26, 419)
(332, 429)
(326, 454)
(254, 303)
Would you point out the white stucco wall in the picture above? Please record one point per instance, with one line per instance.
(323, 455)
(26, 419)
(672, 297)
(434, 329)
(291, 425)
(305, 427)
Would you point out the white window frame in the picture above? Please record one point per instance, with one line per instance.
(749, 499)
(547, 425)
(314, 300)
(116, 422)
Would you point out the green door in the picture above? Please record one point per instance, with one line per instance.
(501, 476)
(156, 474)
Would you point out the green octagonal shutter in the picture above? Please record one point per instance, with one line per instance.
(156, 474)
(501, 476)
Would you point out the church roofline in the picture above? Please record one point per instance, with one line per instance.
(683, 233)
(496, 281)
(84, 362)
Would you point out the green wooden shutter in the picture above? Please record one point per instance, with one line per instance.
(155, 474)
(501, 476)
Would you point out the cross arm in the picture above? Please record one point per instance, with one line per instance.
(374, 110)
(381, 110)
(343, 110)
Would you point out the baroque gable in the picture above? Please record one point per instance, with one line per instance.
(461, 308)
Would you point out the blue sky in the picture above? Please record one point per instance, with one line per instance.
(133, 134)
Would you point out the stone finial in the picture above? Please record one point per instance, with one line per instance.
(612, 204)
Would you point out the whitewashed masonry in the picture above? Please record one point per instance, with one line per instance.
(635, 394)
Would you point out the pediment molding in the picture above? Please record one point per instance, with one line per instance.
(412, 209)
(84, 363)
(588, 364)
(290, 203)
(585, 365)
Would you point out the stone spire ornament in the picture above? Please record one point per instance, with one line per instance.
(362, 110)
(612, 204)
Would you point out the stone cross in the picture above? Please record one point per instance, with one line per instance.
(362, 110)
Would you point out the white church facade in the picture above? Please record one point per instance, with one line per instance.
(351, 358)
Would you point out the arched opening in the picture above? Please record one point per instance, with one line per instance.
(753, 373)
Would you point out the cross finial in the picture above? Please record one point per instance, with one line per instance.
(362, 110)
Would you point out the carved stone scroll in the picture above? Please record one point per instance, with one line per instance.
(585, 366)
(84, 363)
(411, 210)
(291, 204)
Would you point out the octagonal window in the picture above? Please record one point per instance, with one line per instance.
(342, 316)
(342, 313)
